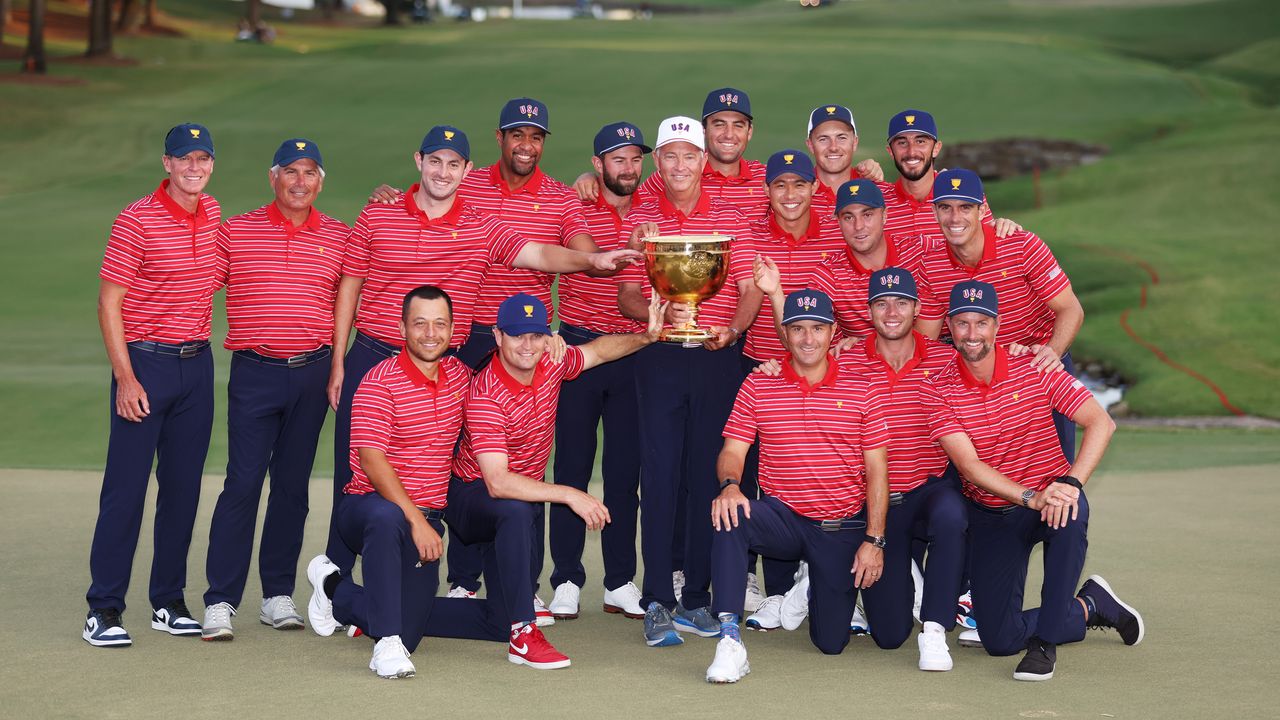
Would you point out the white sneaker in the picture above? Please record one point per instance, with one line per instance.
(457, 591)
(917, 579)
(391, 660)
(541, 615)
(858, 624)
(564, 605)
(970, 638)
(768, 616)
(320, 607)
(934, 654)
(677, 583)
(730, 663)
(795, 604)
(754, 596)
(280, 613)
(217, 622)
(624, 600)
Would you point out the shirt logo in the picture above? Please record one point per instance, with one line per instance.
(1015, 396)
(626, 133)
(788, 157)
(839, 403)
(911, 119)
(301, 145)
(831, 109)
(448, 134)
(972, 293)
(955, 183)
(890, 280)
(529, 110)
(528, 311)
(728, 98)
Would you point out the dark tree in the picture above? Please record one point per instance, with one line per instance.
(99, 28)
(33, 57)
(393, 11)
(4, 18)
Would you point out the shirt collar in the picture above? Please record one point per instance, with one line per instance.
(743, 176)
(700, 208)
(604, 206)
(411, 371)
(830, 192)
(905, 195)
(988, 250)
(532, 186)
(829, 379)
(890, 255)
(917, 356)
(449, 218)
(179, 213)
(515, 386)
(277, 218)
(812, 232)
(998, 375)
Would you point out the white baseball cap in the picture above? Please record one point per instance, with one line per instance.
(680, 128)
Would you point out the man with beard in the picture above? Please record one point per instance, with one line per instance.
(833, 140)
(588, 310)
(992, 415)
(155, 306)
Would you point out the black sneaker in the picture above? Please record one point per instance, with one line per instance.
(1109, 611)
(175, 619)
(1038, 663)
(102, 628)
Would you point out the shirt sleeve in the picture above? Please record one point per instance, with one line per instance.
(222, 256)
(1066, 394)
(126, 251)
(356, 261)
(635, 272)
(372, 416)
(742, 419)
(1042, 270)
(942, 419)
(572, 221)
(504, 242)
(875, 429)
(742, 252)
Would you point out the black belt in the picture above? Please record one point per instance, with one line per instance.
(181, 350)
(834, 525)
(432, 513)
(385, 349)
(1004, 510)
(296, 361)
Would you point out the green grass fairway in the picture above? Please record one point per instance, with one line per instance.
(1197, 565)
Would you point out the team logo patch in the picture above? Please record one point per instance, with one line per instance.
(853, 189)
(528, 311)
(831, 109)
(890, 280)
(195, 133)
(448, 134)
(911, 119)
(728, 98)
(972, 293)
(301, 145)
(529, 110)
(807, 302)
(788, 157)
(626, 133)
(955, 183)
(680, 126)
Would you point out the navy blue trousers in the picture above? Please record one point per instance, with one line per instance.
(605, 393)
(465, 562)
(398, 595)
(936, 514)
(999, 550)
(365, 352)
(500, 532)
(685, 395)
(1065, 427)
(274, 417)
(775, 530)
(175, 437)
(779, 575)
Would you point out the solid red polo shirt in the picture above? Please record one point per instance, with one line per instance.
(506, 416)
(543, 210)
(710, 216)
(590, 302)
(1024, 272)
(845, 279)
(812, 437)
(1009, 420)
(413, 421)
(396, 248)
(281, 280)
(795, 258)
(744, 191)
(913, 456)
(164, 255)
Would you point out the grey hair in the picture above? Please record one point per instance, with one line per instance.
(275, 169)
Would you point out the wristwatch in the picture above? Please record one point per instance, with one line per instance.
(1026, 497)
(877, 540)
(727, 482)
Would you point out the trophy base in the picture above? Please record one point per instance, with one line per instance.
(688, 337)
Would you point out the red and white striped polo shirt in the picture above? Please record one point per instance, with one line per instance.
(281, 280)
(590, 302)
(543, 210)
(164, 255)
(812, 437)
(710, 216)
(903, 214)
(824, 198)
(796, 258)
(1024, 272)
(396, 248)
(1010, 420)
(845, 279)
(413, 421)
(913, 456)
(517, 420)
(744, 191)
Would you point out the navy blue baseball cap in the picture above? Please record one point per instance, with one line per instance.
(788, 161)
(726, 99)
(523, 313)
(958, 184)
(892, 282)
(446, 137)
(187, 138)
(861, 192)
(912, 121)
(823, 113)
(522, 112)
(619, 135)
(808, 304)
(973, 296)
(295, 149)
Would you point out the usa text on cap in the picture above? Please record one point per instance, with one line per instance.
(859, 192)
(786, 162)
(958, 184)
(523, 313)
(825, 113)
(295, 149)
(808, 304)
(446, 137)
(681, 129)
(973, 296)
(187, 138)
(726, 99)
(619, 135)
(917, 121)
(522, 112)
(892, 282)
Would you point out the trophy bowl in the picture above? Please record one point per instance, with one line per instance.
(687, 269)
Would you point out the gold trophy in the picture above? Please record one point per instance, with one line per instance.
(687, 269)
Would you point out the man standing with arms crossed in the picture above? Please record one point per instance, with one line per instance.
(155, 307)
(280, 264)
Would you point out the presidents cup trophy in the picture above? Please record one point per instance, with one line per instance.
(687, 269)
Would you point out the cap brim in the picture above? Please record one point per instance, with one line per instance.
(819, 318)
(956, 196)
(700, 145)
(643, 148)
(525, 123)
(525, 328)
(971, 308)
(887, 293)
(747, 115)
(807, 178)
(911, 130)
(186, 150)
(432, 148)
